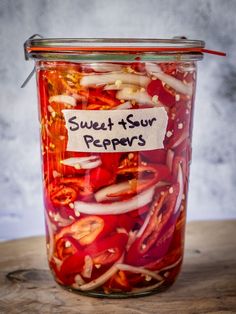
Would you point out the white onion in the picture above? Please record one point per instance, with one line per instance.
(102, 195)
(144, 289)
(64, 99)
(116, 208)
(144, 225)
(89, 162)
(153, 68)
(79, 281)
(169, 159)
(140, 97)
(180, 180)
(100, 280)
(103, 278)
(139, 270)
(125, 105)
(180, 140)
(88, 267)
(171, 266)
(111, 78)
(176, 84)
(119, 86)
(105, 67)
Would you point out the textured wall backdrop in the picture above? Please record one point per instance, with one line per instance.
(213, 180)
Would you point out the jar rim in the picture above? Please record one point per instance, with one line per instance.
(178, 48)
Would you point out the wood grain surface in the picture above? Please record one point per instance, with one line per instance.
(207, 283)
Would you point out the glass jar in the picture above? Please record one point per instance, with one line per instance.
(116, 127)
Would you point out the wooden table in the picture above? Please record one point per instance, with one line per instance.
(207, 283)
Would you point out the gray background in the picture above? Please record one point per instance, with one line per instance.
(213, 180)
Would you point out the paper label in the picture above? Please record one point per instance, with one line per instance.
(115, 130)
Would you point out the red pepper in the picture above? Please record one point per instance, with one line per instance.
(71, 266)
(156, 88)
(138, 67)
(179, 127)
(88, 228)
(125, 221)
(99, 96)
(99, 177)
(110, 161)
(107, 250)
(140, 178)
(66, 246)
(156, 156)
(62, 195)
(163, 212)
(168, 68)
(118, 281)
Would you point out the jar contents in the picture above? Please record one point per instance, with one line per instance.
(116, 150)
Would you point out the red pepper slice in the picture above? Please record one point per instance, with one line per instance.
(71, 266)
(157, 156)
(99, 96)
(62, 195)
(163, 212)
(66, 246)
(146, 175)
(179, 127)
(125, 221)
(118, 281)
(107, 250)
(63, 191)
(88, 228)
(99, 177)
(156, 88)
(110, 161)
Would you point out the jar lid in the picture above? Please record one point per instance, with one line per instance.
(122, 49)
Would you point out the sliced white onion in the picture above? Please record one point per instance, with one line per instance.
(64, 99)
(125, 105)
(105, 67)
(180, 140)
(116, 208)
(100, 280)
(131, 239)
(103, 278)
(139, 270)
(102, 195)
(119, 86)
(176, 84)
(111, 78)
(140, 97)
(169, 159)
(144, 225)
(180, 180)
(152, 68)
(79, 281)
(89, 162)
(145, 289)
(88, 267)
(171, 266)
